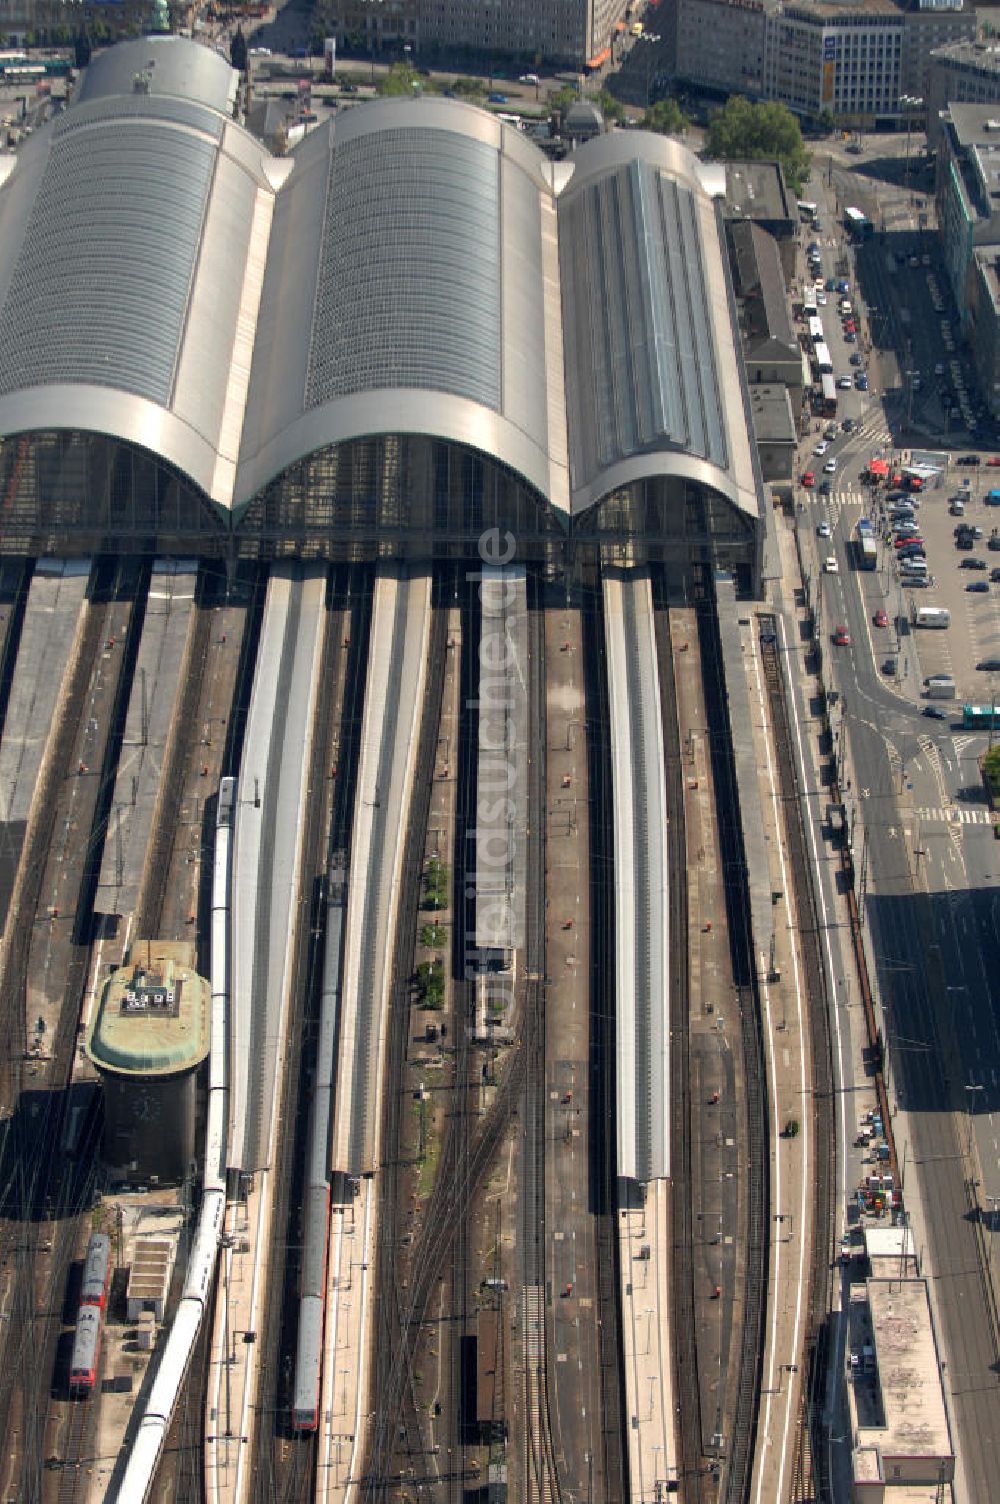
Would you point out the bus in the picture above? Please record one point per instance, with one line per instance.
(857, 225)
(822, 357)
(828, 396)
(815, 327)
(22, 73)
(865, 546)
(981, 717)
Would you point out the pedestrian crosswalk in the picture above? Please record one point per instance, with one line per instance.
(940, 816)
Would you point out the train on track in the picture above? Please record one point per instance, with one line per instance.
(90, 1316)
(197, 1292)
(316, 1194)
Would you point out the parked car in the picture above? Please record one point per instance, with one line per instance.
(978, 587)
(967, 459)
(935, 713)
(844, 383)
(855, 358)
(862, 382)
(881, 618)
(989, 665)
(977, 564)
(850, 337)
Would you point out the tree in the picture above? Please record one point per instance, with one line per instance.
(610, 107)
(759, 132)
(401, 79)
(238, 51)
(666, 118)
(825, 122)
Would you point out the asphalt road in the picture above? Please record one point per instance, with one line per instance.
(933, 897)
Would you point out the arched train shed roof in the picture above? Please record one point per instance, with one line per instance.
(414, 267)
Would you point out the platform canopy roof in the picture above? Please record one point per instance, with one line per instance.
(414, 267)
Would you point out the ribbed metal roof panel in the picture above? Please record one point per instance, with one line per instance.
(101, 284)
(639, 336)
(409, 286)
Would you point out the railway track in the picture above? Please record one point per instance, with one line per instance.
(542, 1483)
(40, 1188)
(742, 1420)
(614, 1455)
(394, 1396)
(809, 1470)
(687, 1390)
(285, 1463)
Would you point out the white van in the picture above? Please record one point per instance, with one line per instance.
(932, 616)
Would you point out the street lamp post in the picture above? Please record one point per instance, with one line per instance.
(909, 102)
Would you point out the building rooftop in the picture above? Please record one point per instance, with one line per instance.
(771, 409)
(759, 282)
(836, 10)
(756, 190)
(975, 124)
(983, 56)
(891, 1251)
(154, 1016)
(914, 1422)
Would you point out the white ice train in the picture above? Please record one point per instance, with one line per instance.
(316, 1196)
(162, 1398)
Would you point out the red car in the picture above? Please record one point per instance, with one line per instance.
(851, 326)
(808, 478)
(994, 459)
(842, 637)
(881, 618)
(906, 542)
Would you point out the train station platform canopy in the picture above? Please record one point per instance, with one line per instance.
(414, 267)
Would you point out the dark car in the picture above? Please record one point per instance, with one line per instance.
(967, 459)
(989, 665)
(861, 381)
(855, 358)
(978, 587)
(848, 425)
(935, 713)
(850, 338)
(973, 564)
(995, 576)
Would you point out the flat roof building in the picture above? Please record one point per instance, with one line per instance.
(898, 1415)
(148, 1034)
(966, 72)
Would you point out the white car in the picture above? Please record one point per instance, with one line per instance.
(830, 565)
(844, 383)
(823, 531)
(830, 468)
(821, 448)
(821, 300)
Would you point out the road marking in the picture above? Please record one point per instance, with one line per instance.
(954, 816)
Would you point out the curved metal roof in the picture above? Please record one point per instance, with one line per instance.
(415, 267)
(412, 288)
(652, 365)
(132, 236)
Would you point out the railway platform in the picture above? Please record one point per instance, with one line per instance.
(52, 618)
(148, 721)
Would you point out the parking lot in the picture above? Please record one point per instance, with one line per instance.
(961, 580)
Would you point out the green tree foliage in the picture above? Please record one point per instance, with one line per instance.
(401, 79)
(469, 88)
(991, 768)
(430, 984)
(563, 99)
(759, 132)
(666, 118)
(610, 107)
